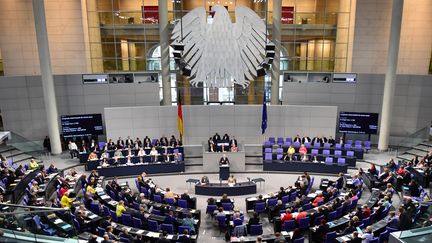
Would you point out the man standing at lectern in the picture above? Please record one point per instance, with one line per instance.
(224, 160)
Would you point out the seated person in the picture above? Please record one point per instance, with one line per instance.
(302, 150)
(287, 215)
(104, 155)
(232, 180)
(154, 154)
(118, 154)
(253, 221)
(65, 201)
(225, 138)
(234, 148)
(319, 198)
(289, 155)
(104, 163)
(414, 189)
(189, 221)
(166, 154)
(367, 234)
(120, 208)
(33, 165)
(225, 199)
(393, 220)
(173, 141)
(204, 180)
(169, 194)
(373, 170)
(129, 160)
(301, 215)
(212, 145)
(141, 153)
(224, 160)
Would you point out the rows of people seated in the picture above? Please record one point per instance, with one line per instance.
(328, 213)
(318, 142)
(87, 145)
(224, 144)
(120, 214)
(129, 151)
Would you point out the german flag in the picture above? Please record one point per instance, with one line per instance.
(180, 117)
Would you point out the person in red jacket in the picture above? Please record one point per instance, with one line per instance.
(287, 216)
(317, 200)
(366, 211)
(300, 215)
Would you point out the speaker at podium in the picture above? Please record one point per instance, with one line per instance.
(224, 168)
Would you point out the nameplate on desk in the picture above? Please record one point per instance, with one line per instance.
(113, 203)
(344, 238)
(139, 232)
(153, 234)
(58, 221)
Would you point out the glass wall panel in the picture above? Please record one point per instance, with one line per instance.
(124, 36)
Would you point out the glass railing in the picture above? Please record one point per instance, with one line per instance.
(32, 148)
(415, 138)
(35, 224)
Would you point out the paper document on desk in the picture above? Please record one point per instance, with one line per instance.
(92, 216)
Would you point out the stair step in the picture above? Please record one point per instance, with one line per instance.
(5, 148)
(21, 158)
(427, 143)
(416, 152)
(407, 157)
(423, 148)
(12, 153)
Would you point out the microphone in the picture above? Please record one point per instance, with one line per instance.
(249, 179)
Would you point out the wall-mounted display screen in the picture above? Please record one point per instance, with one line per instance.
(358, 122)
(344, 77)
(82, 125)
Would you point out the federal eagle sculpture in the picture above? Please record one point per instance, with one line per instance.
(222, 53)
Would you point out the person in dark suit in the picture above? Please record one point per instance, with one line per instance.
(125, 234)
(185, 196)
(275, 211)
(281, 193)
(225, 138)
(216, 138)
(106, 222)
(129, 142)
(120, 143)
(321, 231)
(233, 141)
(164, 141)
(297, 139)
(137, 143)
(184, 238)
(331, 141)
(173, 141)
(147, 142)
(171, 219)
(225, 199)
(316, 139)
(404, 219)
(253, 221)
(163, 238)
(224, 160)
(355, 238)
(306, 139)
(339, 183)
